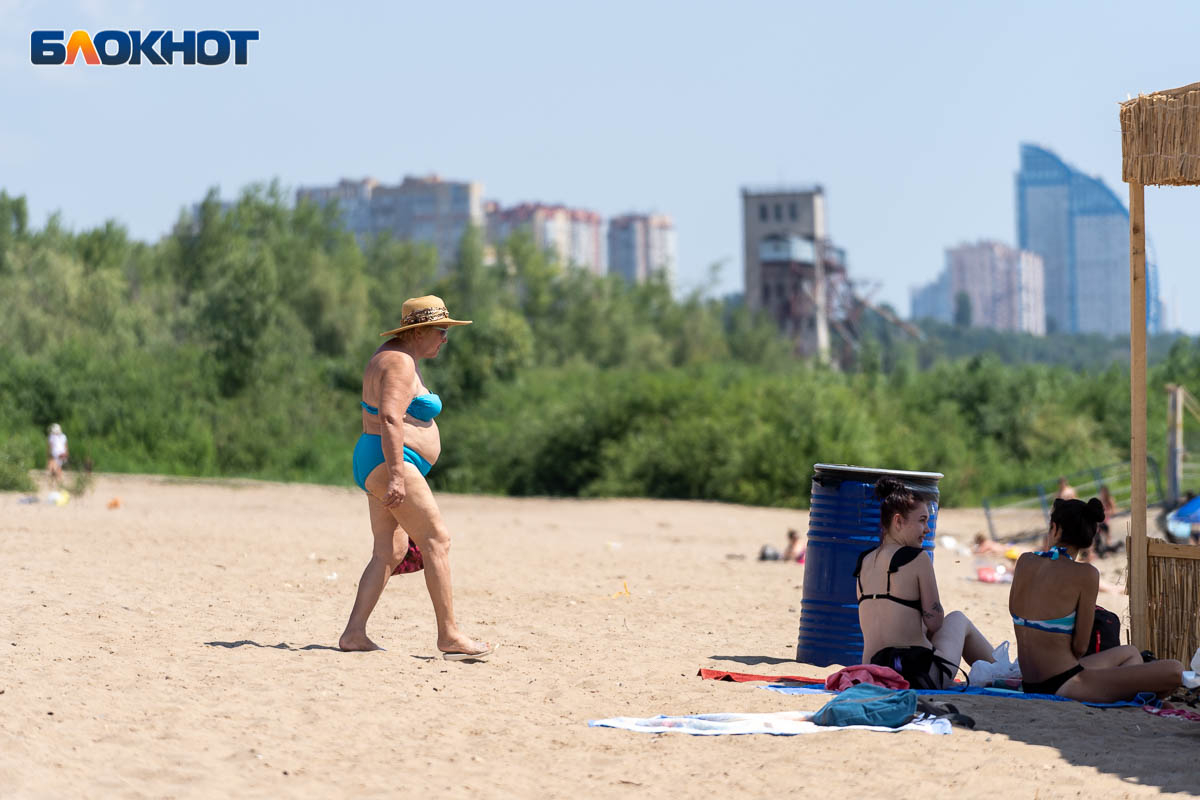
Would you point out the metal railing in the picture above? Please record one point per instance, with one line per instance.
(1026, 511)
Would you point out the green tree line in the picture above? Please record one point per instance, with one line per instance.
(234, 346)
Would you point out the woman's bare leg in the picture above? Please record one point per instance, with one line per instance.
(1125, 655)
(1122, 683)
(389, 548)
(958, 639)
(421, 518)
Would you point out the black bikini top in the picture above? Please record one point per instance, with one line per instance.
(901, 557)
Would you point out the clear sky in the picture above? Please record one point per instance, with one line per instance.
(909, 114)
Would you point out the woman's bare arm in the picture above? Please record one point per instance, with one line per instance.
(1085, 611)
(396, 380)
(932, 613)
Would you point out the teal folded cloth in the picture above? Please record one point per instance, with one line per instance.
(868, 704)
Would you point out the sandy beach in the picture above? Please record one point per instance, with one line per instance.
(182, 645)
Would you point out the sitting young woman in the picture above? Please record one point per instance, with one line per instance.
(899, 611)
(1053, 606)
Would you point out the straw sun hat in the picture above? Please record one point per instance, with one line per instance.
(420, 312)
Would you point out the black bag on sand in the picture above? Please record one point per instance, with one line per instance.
(1106, 631)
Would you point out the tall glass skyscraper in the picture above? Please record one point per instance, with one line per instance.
(1080, 228)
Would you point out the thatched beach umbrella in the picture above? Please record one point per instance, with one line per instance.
(1160, 146)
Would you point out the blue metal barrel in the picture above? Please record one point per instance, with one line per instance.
(843, 521)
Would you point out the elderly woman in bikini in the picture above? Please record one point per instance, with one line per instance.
(398, 447)
(1053, 606)
(903, 624)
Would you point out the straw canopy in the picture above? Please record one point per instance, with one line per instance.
(1160, 138)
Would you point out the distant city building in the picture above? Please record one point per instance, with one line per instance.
(429, 210)
(1080, 228)
(640, 245)
(573, 234)
(1004, 287)
(352, 197)
(934, 300)
(800, 279)
(223, 207)
(794, 272)
(779, 213)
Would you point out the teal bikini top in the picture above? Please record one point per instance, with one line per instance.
(1062, 624)
(424, 407)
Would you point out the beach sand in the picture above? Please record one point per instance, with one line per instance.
(182, 645)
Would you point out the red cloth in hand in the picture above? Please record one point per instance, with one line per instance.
(413, 562)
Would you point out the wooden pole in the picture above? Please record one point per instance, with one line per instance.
(1139, 620)
(1174, 444)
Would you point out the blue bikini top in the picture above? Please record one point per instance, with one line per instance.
(424, 407)
(1060, 625)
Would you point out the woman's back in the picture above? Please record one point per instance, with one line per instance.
(1053, 604)
(890, 621)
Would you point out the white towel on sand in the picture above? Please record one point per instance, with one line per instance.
(779, 723)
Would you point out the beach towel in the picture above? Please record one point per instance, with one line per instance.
(747, 677)
(1178, 713)
(865, 673)
(779, 723)
(986, 691)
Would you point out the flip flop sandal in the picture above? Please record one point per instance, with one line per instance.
(482, 655)
(946, 711)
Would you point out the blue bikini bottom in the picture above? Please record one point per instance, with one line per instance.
(368, 454)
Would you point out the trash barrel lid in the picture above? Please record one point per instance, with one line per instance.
(852, 471)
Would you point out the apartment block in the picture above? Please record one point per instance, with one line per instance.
(574, 235)
(640, 245)
(420, 209)
(1004, 285)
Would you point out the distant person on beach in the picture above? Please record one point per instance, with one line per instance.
(903, 624)
(1053, 605)
(795, 549)
(399, 445)
(1065, 490)
(1105, 546)
(793, 553)
(56, 453)
(985, 545)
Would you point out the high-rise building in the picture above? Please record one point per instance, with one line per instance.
(429, 209)
(1080, 228)
(573, 234)
(1003, 286)
(353, 199)
(640, 245)
(934, 300)
(776, 213)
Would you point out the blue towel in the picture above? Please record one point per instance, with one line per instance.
(1145, 698)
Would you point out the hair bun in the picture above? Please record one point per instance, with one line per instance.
(884, 487)
(1095, 510)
